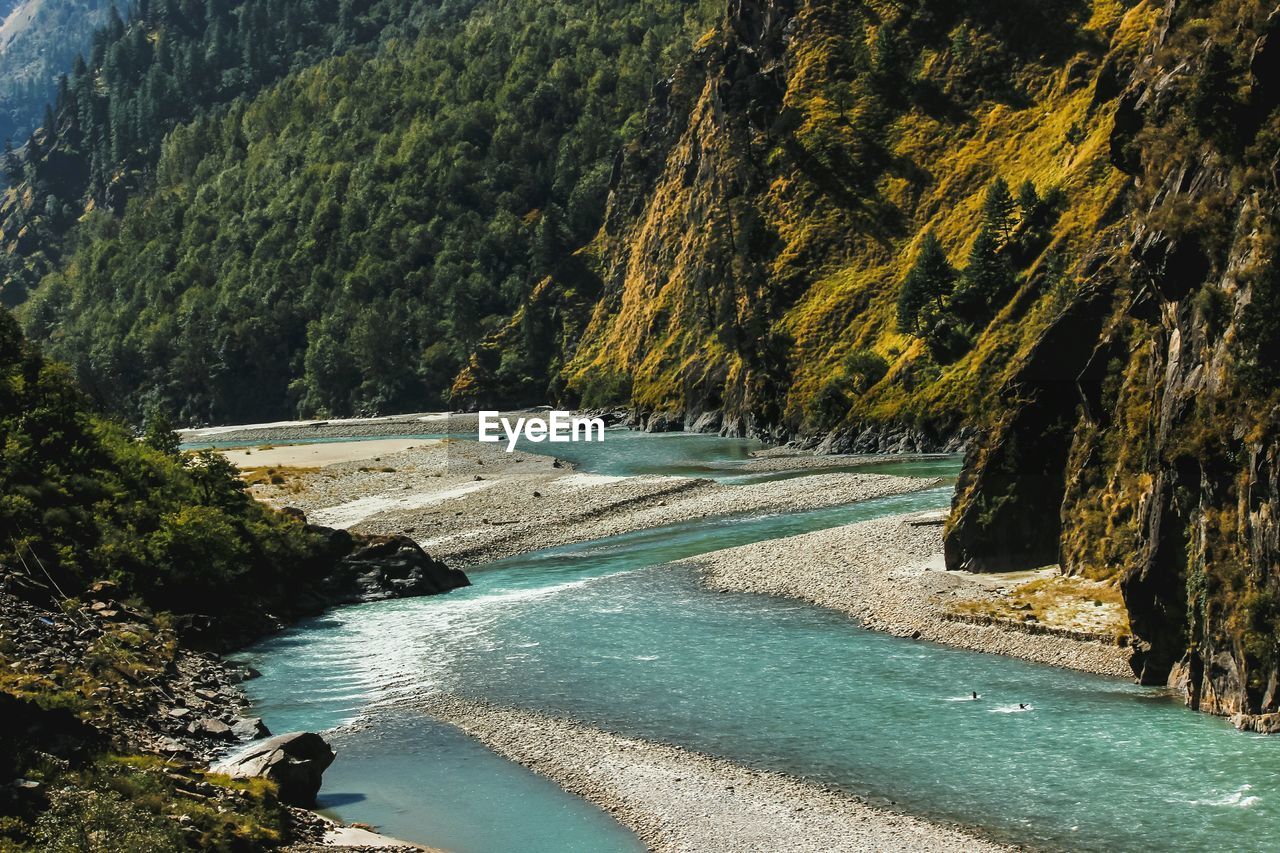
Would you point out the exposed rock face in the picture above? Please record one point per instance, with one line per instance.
(353, 569)
(1162, 467)
(381, 567)
(295, 762)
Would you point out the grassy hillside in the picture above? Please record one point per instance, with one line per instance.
(1139, 444)
(340, 243)
(764, 274)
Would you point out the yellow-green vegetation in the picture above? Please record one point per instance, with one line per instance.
(119, 657)
(118, 803)
(1159, 474)
(1056, 601)
(1104, 499)
(893, 124)
(284, 476)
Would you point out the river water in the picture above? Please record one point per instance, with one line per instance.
(608, 633)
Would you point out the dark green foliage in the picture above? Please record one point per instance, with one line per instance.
(1028, 200)
(865, 368)
(606, 389)
(12, 166)
(341, 243)
(926, 286)
(169, 62)
(81, 500)
(891, 62)
(1213, 104)
(944, 306)
(987, 281)
(998, 209)
(832, 403)
(35, 52)
(1214, 308)
(1258, 342)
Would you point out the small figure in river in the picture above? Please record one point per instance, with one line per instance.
(1022, 706)
(975, 694)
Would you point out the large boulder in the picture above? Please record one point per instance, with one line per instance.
(295, 762)
(381, 567)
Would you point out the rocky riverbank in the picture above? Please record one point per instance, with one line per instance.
(95, 684)
(678, 800)
(469, 503)
(889, 574)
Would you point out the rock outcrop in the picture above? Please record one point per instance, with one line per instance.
(1155, 457)
(295, 762)
(382, 567)
(352, 569)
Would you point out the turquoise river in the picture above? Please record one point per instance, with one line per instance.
(609, 633)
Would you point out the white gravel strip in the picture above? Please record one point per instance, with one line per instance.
(678, 800)
(474, 502)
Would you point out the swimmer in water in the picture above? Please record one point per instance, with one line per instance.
(975, 694)
(1022, 707)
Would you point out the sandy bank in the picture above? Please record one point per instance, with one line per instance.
(319, 455)
(889, 574)
(469, 503)
(677, 800)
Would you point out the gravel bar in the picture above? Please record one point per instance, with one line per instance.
(678, 800)
(888, 573)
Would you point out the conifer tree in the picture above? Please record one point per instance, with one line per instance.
(12, 164)
(1028, 200)
(987, 277)
(929, 282)
(998, 208)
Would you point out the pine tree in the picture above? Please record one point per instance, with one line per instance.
(998, 209)
(929, 282)
(890, 61)
(1028, 200)
(987, 278)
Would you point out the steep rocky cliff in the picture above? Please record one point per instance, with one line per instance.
(760, 228)
(1142, 443)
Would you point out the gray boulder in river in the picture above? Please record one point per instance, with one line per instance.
(381, 567)
(295, 762)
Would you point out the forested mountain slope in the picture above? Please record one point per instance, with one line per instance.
(794, 172)
(341, 242)
(169, 62)
(39, 41)
(1044, 227)
(1055, 233)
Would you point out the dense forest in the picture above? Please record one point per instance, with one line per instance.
(342, 241)
(169, 61)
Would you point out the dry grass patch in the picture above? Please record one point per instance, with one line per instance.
(1053, 601)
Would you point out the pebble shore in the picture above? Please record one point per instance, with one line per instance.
(888, 573)
(676, 800)
(469, 503)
